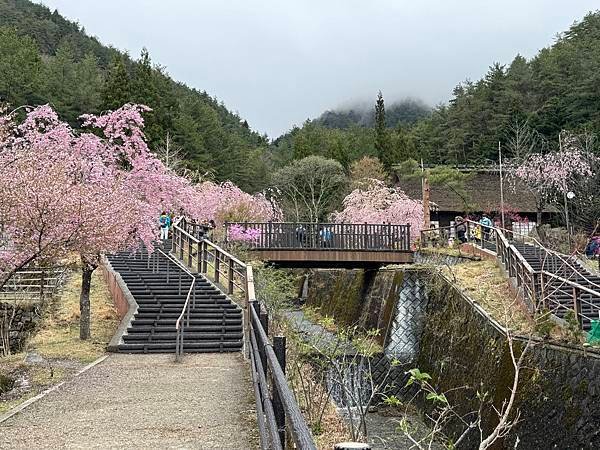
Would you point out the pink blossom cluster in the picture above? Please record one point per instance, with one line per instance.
(90, 193)
(554, 171)
(225, 202)
(381, 204)
(239, 233)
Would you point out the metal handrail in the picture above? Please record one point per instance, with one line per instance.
(260, 351)
(179, 323)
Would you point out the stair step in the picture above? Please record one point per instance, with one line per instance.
(188, 337)
(142, 322)
(188, 329)
(215, 323)
(169, 347)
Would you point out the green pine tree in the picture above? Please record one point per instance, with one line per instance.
(117, 89)
(382, 142)
(88, 85)
(20, 68)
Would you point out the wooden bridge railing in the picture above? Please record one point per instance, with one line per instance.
(278, 414)
(332, 236)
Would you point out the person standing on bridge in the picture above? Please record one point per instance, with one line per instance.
(461, 229)
(164, 222)
(486, 227)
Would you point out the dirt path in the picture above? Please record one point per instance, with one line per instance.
(144, 401)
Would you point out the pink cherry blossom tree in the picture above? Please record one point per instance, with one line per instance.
(97, 192)
(226, 202)
(379, 203)
(549, 176)
(63, 192)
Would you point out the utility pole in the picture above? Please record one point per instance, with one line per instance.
(426, 196)
(501, 186)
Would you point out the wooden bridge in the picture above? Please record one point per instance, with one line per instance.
(294, 244)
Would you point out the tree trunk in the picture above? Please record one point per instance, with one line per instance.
(84, 302)
(426, 210)
(539, 216)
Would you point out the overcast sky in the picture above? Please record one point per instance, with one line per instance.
(278, 62)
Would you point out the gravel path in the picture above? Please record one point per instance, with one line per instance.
(144, 401)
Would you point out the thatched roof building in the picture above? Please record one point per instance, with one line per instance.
(481, 194)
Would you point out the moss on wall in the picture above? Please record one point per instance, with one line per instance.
(558, 393)
(366, 298)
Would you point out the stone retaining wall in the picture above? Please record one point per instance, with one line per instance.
(124, 303)
(21, 320)
(459, 345)
(558, 394)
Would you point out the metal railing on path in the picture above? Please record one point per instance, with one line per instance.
(278, 414)
(330, 236)
(542, 287)
(184, 318)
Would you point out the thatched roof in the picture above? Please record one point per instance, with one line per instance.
(482, 193)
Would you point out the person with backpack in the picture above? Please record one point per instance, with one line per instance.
(164, 223)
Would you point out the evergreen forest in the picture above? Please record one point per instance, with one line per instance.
(45, 58)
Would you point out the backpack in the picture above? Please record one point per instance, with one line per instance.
(163, 221)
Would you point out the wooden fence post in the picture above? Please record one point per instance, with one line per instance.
(230, 277)
(189, 252)
(204, 257)
(199, 257)
(264, 321)
(279, 345)
(577, 307)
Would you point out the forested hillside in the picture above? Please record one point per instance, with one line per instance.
(45, 58)
(403, 112)
(349, 134)
(557, 89)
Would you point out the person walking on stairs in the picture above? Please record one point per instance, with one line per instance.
(164, 222)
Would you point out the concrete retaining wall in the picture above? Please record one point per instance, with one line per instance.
(123, 300)
(460, 345)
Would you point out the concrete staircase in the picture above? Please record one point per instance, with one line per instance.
(215, 323)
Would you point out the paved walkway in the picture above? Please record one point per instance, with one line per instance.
(144, 401)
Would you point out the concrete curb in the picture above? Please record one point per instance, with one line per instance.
(113, 345)
(17, 409)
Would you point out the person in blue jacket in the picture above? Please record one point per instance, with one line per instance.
(486, 227)
(164, 222)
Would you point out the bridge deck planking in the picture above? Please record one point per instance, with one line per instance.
(332, 258)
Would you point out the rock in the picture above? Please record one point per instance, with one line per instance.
(33, 358)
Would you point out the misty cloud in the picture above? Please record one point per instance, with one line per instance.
(279, 63)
